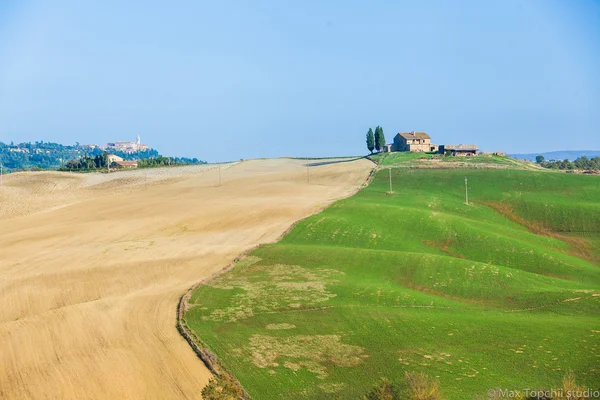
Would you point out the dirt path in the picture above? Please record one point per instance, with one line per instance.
(92, 268)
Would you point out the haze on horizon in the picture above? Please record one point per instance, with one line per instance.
(231, 79)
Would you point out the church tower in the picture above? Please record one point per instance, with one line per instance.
(138, 142)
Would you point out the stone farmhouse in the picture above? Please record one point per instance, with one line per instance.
(117, 162)
(124, 164)
(421, 142)
(413, 141)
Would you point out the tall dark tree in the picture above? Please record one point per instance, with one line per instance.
(380, 140)
(539, 159)
(370, 140)
(377, 138)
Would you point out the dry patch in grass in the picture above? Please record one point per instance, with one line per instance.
(444, 246)
(280, 326)
(304, 351)
(418, 357)
(287, 287)
(331, 387)
(579, 247)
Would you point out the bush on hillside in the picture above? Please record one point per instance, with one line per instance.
(385, 390)
(223, 387)
(418, 387)
(569, 390)
(421, 387)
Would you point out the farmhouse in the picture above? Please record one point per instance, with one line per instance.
(113, 158)
(124, 164)
(413, 141)
(421, 142)
(118, 162)
(459, 149)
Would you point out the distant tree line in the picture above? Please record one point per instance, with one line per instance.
(38, 155)
(375, 141)
(167, 161)
(581, 163)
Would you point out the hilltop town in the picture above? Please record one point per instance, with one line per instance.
(125, 147)
(48, 155)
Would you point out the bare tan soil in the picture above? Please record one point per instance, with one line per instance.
(92, 268)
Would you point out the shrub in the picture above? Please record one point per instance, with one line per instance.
(570, 389)
(421, 387)
(223, 387)
(418, 387)
(385, 390)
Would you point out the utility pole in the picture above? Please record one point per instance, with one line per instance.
(390, 173)
(466, 191)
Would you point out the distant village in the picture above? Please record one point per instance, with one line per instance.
(114, 161)
(125, 147)
(114, 155)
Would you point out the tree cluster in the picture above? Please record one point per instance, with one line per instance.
(167, 161)
(581, 163)
(375, 141)
(42, 155)
(87, 163)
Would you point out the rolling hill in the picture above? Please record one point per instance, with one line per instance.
(504, 292)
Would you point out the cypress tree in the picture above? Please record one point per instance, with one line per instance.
(381, 139)
(378, 138)
(370, 140)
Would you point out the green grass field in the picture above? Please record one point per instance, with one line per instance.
(409, 159)
(504, 292)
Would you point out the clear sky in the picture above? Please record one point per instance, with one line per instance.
(224, 80)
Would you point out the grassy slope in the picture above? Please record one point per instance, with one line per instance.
(417, 280)
(408, 158)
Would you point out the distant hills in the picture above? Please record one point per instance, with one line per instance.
(570, 155)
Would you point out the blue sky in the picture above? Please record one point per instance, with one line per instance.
(226, 79)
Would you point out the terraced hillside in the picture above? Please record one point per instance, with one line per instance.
(504, 292)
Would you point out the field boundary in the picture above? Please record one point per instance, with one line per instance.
(210, 359)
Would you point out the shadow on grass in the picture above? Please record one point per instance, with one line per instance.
(318, 164)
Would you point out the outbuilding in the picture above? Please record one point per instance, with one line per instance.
(459, 149)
